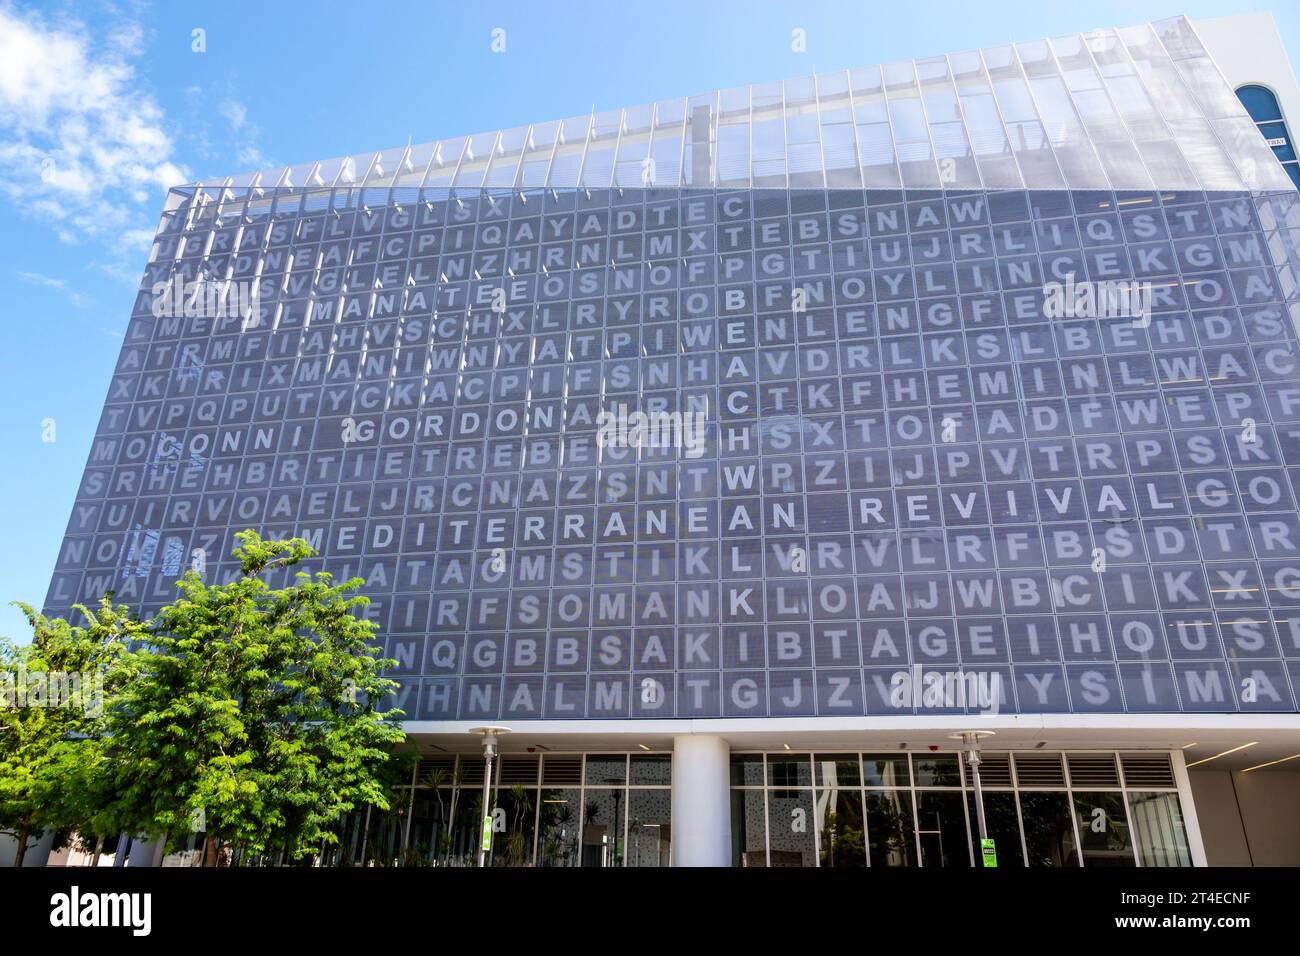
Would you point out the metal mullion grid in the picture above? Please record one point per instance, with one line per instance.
(1006, 133)
(857, 159)
(893, 147)
(1223, 145)
(1119, 114)
(821, 152)
(903, 188)
(749, 151)
(1184, 281)
(934, 161)
(1047, 139)
(646, 162)
(435, 162)
(582, 163)
(681, 156)
(451, 182)
(584, 787)
(1017, 788)
(1020, 813)
(1209, 120)
(613, 176)
(767, 819)
(546, 179)
(488, 163)
(762, 787)
(1120, 789)
(970, 142)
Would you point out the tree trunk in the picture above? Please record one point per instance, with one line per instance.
(23, 834)
(365, 835)
(410, 812)
(210, 851)
(94, 852)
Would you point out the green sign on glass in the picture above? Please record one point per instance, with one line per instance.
(990, 854)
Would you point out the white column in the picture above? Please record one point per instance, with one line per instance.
(1190, 822)
(701, 811)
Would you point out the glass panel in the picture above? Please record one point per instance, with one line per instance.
(748, 828)
(939, 770)
(602, 826)
(1260, 103)
(649, 827)
(790, 823)
(840, 828)
(652, 769)
(429, 841)
(514, 847)
(1049, 833)
(560, 813)
(789, 770)
(890, 828)
(1103, 829)
(941, 826)
(605, 769)
(1003, 824)
(837, 770)
(466, 827)
(1161, 835)
(746, 770)
(886, 770)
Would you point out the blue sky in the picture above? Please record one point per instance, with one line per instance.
(117, 98)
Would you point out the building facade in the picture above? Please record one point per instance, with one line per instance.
(740, 452)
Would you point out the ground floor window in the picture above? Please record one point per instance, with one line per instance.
(548, 810)
(917, 809)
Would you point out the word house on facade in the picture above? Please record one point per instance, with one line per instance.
(907, 452)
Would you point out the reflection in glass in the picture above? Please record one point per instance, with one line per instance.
(941, 826)
(790, 825)
(789, 770)
(841, 833)
(938, 770)
(649, 827)
(837, 770)
(1049, 833)
(1103, 829)
(1161, 835)
(429, 826)
(1003, 826)
(602, 826)
(560, 812)
(890, 833)
(748, 828)
(514, 847)
(885, 770)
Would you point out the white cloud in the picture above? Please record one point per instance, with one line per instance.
(235, 113)
(248, 156)
(60, 285)
(81, 143)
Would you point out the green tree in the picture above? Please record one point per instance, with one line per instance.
(255, 713)
(54, 699)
